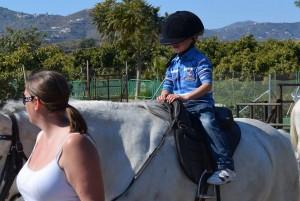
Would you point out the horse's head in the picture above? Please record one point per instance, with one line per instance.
(14, 124)
(5, 134)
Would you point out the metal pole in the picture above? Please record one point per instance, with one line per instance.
(24, 73)
(270, 88)
(88, 79)
(158, 89)
(126, 69)
(270, 92)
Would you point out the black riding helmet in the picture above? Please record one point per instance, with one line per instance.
(179, 26)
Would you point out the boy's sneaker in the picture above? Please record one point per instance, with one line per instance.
(222, 177)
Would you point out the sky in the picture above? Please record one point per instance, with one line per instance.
(213, 13)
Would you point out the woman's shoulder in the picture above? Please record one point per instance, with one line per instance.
(78, 146)
(77, 140)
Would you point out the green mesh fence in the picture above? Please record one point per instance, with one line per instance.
(79, 89)
(106, 89)
(229, 91)
(148, 88)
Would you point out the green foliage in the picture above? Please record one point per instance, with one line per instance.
(127, 24)
(130, 31)
(16, 38)
(132, 26)
(87, 43)
(249, 56)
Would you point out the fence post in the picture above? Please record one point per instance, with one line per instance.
(88, 79)
(95, 88)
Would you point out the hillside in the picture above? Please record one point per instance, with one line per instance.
(58, 28)
(79, 25)
(261, 31)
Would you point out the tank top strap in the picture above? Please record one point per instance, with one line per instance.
(61, 148)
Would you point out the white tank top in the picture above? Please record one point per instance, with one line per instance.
(47, 184)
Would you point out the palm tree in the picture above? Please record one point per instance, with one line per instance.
(131, 25)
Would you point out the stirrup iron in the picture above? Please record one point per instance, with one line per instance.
(205, 190)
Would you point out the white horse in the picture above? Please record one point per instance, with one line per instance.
(126, 134)
(295, 130)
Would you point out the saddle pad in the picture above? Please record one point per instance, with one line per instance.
(193, 153)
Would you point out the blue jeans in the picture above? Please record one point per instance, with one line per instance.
(215, 137)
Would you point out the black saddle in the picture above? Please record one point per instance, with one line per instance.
(192, 150)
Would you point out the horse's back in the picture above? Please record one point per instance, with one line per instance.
(264, 159)
(265, 164)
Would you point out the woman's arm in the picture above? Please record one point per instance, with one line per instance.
(81, 163)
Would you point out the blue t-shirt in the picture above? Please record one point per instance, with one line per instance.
(187, 72)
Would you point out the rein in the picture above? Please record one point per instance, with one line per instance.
(14, 160)
(151, 156)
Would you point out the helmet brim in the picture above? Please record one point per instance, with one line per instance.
(171, 41)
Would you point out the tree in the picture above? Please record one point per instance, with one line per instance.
(14, 39)
(52, 58)
(297, 3)
(12, 77)
(87, 43)
(131, 25)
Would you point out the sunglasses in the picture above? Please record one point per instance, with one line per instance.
(27, 98)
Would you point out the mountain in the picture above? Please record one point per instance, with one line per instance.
(79, 25)
(58, 28)
(261, 31)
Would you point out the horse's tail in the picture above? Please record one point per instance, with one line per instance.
(293, 130)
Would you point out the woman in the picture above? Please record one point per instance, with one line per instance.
(64, 164)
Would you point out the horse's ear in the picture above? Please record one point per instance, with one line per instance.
(5, 122)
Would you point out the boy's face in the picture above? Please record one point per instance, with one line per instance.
(182, 46)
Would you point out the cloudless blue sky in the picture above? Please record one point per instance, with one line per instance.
(214, 13)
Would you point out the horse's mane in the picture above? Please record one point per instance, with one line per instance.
(153, 107)
(160, 110)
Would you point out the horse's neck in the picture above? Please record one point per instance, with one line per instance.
(126, 135)
(27, 132)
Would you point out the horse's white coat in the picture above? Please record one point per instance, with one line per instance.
(295, 130)
(127, 133)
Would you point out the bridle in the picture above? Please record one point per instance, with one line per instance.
(14, 160)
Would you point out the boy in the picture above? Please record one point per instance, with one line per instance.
(189, 79)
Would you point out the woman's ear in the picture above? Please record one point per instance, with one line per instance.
(37, 103)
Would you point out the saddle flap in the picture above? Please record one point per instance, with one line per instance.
(192, 151)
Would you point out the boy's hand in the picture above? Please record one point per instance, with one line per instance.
(173, 97)
(163, 96)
